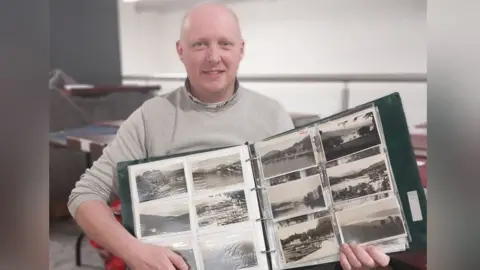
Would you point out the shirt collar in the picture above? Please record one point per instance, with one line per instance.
(211, 105)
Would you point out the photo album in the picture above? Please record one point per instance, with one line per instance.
(288, 201)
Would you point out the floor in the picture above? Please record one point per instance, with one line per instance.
(63, 236)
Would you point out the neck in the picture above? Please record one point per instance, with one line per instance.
(212, 98)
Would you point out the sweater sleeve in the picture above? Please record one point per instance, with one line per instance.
(284, 120)
(100, 181)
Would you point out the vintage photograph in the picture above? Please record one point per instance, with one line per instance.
(284, 178)
(359, 178)
(307, 239)
(286, 154)
(297, 197)
(161, 182)
(216, 173)
(349, 134)
(312, 171)
(221, 209)
(363, 200)
(228, 251)
(281, 179)
(164, 217)
(376, 150)
(371, 222)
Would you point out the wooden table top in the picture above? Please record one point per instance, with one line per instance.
(59, 138)
(87, 90)
(113, 123)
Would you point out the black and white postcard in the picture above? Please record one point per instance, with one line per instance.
(229, 251)
(349, 134)
(216, 173)
(286, 154)
(303, 238)
(284, 178)
(355, 156)
(364, 200)
(158, 182)
(221, 209)
(296, 197)
(163, 217)
(356, 179)
(376, 221)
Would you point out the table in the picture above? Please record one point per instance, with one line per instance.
(87, 90)
(89, 139)
(115, 123)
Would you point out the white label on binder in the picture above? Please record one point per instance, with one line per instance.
(415, 205)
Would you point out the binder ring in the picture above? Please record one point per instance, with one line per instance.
(257, 188)
(261, 219)
(268, 251)
(249, 159)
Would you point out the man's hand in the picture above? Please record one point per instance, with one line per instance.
(354, 257)
(150, 257)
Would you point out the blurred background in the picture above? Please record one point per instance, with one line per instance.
(316, 57)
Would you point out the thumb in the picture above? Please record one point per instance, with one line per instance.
(177, 260)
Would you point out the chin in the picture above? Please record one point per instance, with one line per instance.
(215, 90)
(214, 87)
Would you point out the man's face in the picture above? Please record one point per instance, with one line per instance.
(211, 50)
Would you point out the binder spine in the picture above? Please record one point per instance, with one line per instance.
(259, 189)
(396, 192)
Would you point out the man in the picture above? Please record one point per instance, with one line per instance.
(211, 110)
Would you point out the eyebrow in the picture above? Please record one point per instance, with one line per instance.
(222, 38)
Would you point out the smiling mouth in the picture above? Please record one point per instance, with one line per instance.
(213, 72)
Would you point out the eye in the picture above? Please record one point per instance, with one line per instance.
(198, 44)
(226, 43)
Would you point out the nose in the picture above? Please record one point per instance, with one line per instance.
(213, 55)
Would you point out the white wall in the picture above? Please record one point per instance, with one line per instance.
(302, 36)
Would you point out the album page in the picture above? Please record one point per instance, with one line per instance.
(297, 217)
(203, 206)
(360, 181)
(328, 184)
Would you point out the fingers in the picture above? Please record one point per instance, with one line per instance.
(378, 256)
(344, 262)
(357, 257)
(351, 261)
(363, 256)
(177, 260)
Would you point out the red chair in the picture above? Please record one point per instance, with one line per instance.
(111, 262)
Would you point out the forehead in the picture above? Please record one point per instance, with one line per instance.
(212, 26)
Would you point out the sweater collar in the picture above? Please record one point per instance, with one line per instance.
(216, 105)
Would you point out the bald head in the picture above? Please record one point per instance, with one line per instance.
(208, 11)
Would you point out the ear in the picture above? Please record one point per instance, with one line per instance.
(242, 49)
(179, 50)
